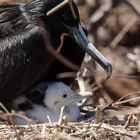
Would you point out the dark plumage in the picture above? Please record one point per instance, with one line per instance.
(27, 33)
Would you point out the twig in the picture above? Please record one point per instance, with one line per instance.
(7, 112)
(81, 82)
(101, 12)
(125, 112)
(133, 7)
(66, 75)
(125, 76)
(10, 119)
(126, 101)
(56, 8)
(129, 94)
(129, 119)
(122, 33)
(56, 53)
(49, 120)
(61, 116)
(98, 115)
(59, 6)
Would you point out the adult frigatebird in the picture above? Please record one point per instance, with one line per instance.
(28, 34)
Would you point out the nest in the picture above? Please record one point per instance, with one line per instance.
(101, 123)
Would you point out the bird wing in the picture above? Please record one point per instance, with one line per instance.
(24, 58)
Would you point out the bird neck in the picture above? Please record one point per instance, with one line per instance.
(72, 112)
(52, 108)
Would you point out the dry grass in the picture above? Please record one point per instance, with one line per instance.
(110, 122)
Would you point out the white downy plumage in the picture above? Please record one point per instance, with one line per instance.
(54, 96)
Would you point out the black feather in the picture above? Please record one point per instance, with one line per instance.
(35, 97)
(25, 106)
(25, 33)
(37, 94)
(22, 62)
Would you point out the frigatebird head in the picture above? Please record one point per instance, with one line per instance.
(64, 16)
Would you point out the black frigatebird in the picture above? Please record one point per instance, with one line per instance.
(27, 32)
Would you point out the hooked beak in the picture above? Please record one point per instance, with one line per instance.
(73, 99)
(80, 37)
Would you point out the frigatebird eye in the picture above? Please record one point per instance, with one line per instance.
(64, 95)
(68, 17)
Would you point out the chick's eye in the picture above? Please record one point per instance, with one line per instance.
(64, 95)
(55, 102)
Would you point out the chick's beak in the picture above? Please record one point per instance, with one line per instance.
(73, 99)
(80, 37)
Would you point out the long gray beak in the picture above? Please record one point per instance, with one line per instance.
(80, 37)
(73, 99)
